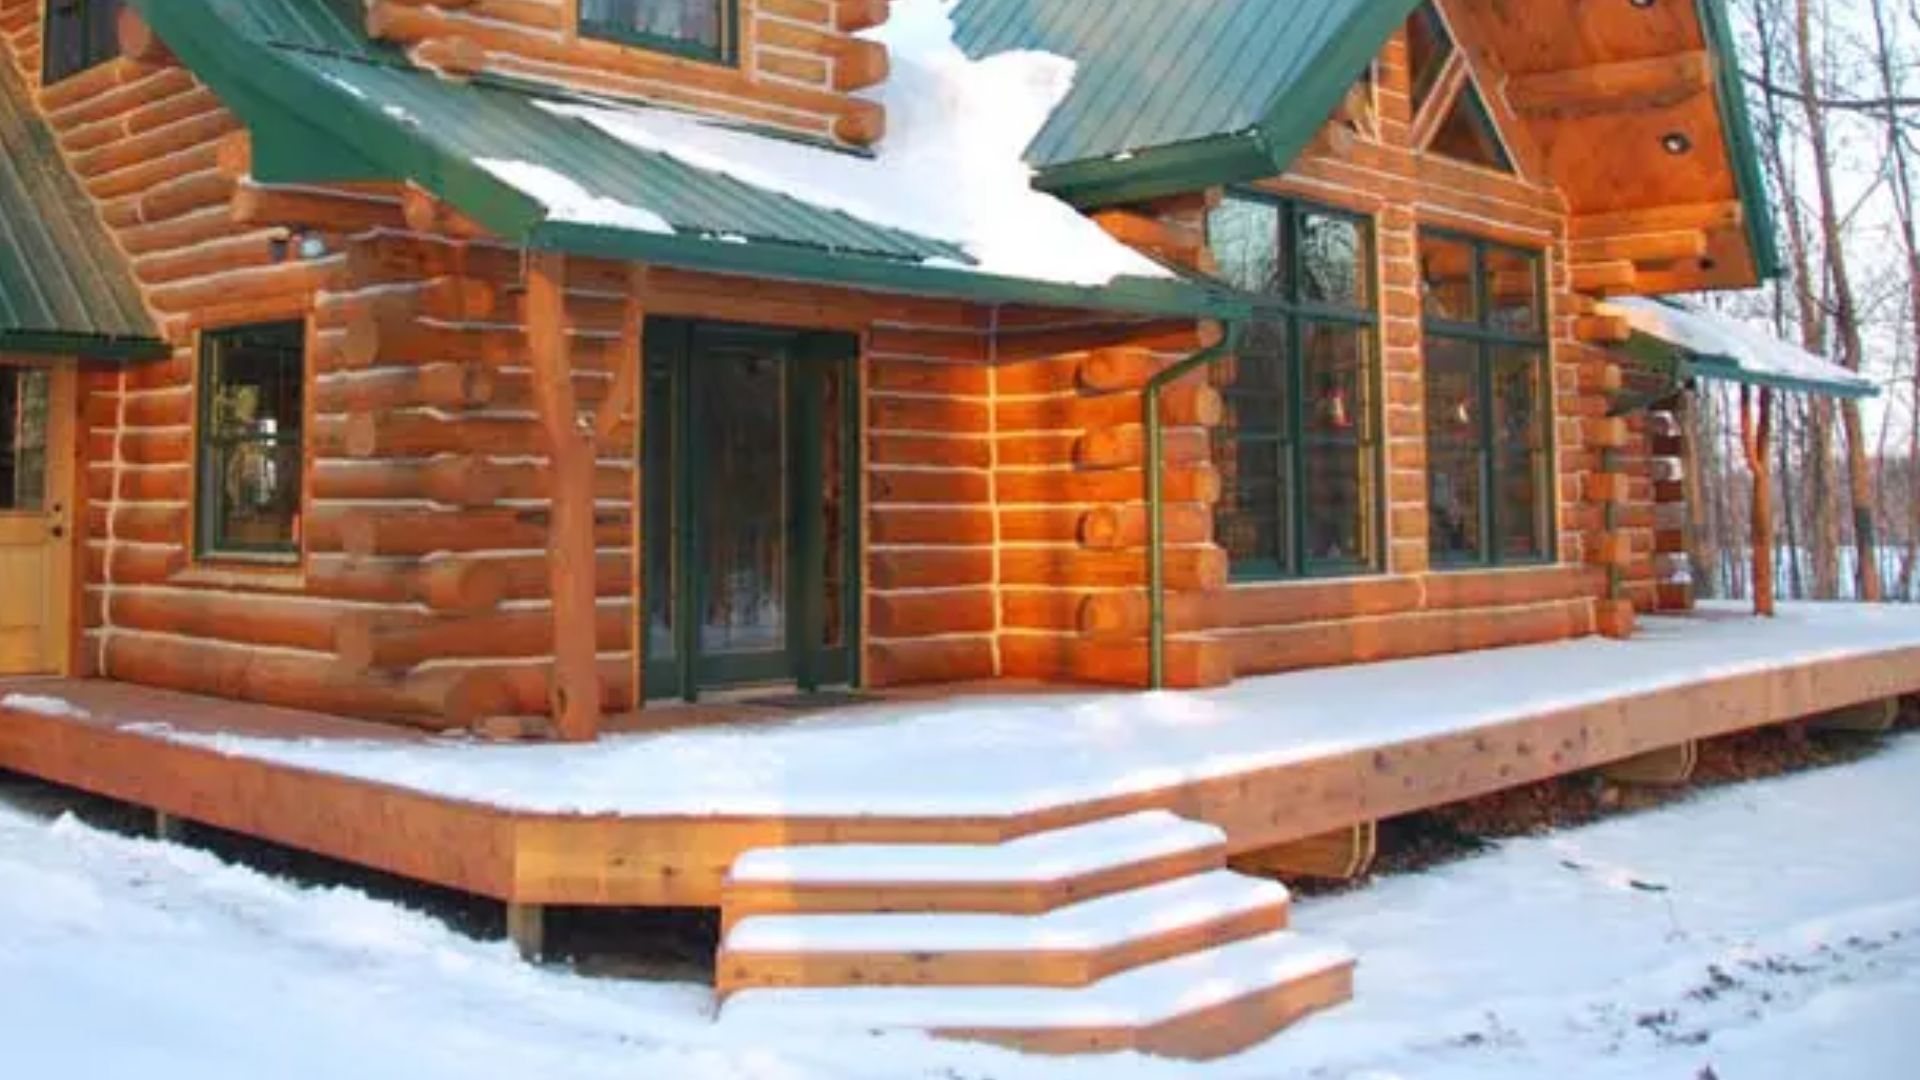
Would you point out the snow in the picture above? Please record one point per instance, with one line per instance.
(1714, 336)
(567, 201)
(43, 705)
(998, 755)
(1784, 943)
(1050, 856)
(950, 166)
(1092, 924)
(1134, 998)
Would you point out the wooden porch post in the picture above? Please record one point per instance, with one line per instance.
(1755, 435)
(570, 535)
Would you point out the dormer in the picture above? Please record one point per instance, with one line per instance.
(793, 65)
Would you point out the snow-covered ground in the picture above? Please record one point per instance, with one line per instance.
(1007, 754)
(1766, 930)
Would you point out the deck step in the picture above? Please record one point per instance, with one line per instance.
(1029, 875)
(1205, 1004)
(1070, 946)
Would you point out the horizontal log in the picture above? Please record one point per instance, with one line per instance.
(1126, 447)
(396, 643)
(265, 621)
(452, 479)
(1181, 405)
(439, 700)
(255, 204)
(1402, 636)
(1191, 662)
(460, 586)
(930, 661)
(1198, 568)
(1115, 527)
(929, 614)
(366, 534)
(1200, 484)
(436, 386)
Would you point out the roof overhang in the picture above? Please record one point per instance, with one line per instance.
(311, 124)
(1691, 343)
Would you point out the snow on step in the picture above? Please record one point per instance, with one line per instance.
(1094, 924)
(1138, 998)
(1050, 856)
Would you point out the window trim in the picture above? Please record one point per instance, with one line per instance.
(1296, 313)
(1484, 337)
(202, 529)
(726, 55)
(89, 11)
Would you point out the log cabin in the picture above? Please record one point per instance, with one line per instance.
(506, 366)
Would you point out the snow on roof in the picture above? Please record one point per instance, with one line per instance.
(1722, 339)
(949, 168)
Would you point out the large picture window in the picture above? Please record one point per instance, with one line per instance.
(1489, 452)
(703, 29)
(79, 34)
(247, 493)
(1298, 449)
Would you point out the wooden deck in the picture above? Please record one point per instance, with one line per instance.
(528, 857)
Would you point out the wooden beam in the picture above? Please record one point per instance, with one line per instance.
(1868, 718)
(1668, 767)
(570, 541)
(527, 929)
(1340, 855)
(1707, 217)
(1625, 86)
(1649, 247)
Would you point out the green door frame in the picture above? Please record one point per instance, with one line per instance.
(809, 358)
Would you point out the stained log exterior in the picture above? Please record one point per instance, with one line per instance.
(1003, 451)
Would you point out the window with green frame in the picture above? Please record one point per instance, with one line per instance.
(1488, 403)
(1298, 448)
(702, 29)
(248, 458)
(79, 34)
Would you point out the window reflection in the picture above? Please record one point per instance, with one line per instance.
(23, 439)
(251, 384)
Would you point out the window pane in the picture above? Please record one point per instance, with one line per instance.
(23, 438)
(1453, 503)
(1335, 260)
(252, 381)
(1468, 134)
(1453, 393)
(1336, 381)
(1513, 291)
(1245, 236)
(697, 22)
(1521, 512)
(1338, 504)
(1250, 521)
(1254, 383)
(1447, 279)
(657, 485)
(78, 35)
(1519, 420)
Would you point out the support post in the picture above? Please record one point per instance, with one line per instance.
(1340, 855)
(1866, 718)
(527, 929)
(1755, 435)
(168, 828)
(1668, 767)
(1156, 500)
(570, 538)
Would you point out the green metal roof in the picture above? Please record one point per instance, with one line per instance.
(325, 103)
(64, 286)
(1175, 96)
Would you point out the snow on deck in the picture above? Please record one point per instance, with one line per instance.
(1016, 754)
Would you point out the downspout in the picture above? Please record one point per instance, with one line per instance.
(1156, 500)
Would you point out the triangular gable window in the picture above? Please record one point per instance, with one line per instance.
(1468, 134)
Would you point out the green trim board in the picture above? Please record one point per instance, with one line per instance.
(1693, 344)
(1737, 123)
(65, 287)
(324, 102)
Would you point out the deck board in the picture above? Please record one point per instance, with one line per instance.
(533, 855)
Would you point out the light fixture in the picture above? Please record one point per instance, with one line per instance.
(312, 245)
(1676, 143)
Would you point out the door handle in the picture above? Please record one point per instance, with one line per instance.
(58, 531)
